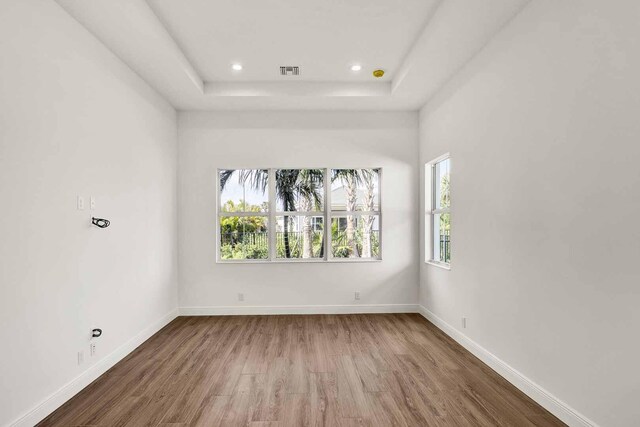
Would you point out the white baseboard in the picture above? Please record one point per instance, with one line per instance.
(548, 401)
(66, 392)
(298, 309)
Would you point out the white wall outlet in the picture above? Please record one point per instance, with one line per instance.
(92, 349)
(240, 297)
(356, 295)
(80, 203)
(92, 203)
(80, 357)
(464, 323)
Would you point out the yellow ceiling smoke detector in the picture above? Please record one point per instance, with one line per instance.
(378, 73)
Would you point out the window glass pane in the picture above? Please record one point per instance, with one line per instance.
(355, 190)
(441, 181)
(300, 190)
(442, 237)
(299, 236)
(244, 190)
(355, 236)
(244, 237)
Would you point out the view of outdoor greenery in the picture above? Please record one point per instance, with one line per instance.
(440, 211)
(445, 219)
(299, 218)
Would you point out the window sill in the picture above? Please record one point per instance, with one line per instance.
(301, 261)
(439, 265)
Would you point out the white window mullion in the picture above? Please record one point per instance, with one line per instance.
(327, 215)
(218, 216)
(300, 213)
(243, 214)
(432, 181)
(355, 213)
(439, 211)
(272, 226)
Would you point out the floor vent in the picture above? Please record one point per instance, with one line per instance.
(289, 70)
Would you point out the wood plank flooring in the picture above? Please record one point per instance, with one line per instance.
(321, 370)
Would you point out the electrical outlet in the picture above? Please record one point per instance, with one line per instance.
(92, 203)
(92, 349)
(80, 203)
(464, 323)
(356, 295)
(80, 357)
(240, 297)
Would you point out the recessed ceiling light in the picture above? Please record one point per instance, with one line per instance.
(237, 67)
(356, 67)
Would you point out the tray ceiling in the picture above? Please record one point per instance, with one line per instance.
(185, 49)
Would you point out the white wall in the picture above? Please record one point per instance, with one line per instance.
(543, 129)
(208, 141)
(75, 121)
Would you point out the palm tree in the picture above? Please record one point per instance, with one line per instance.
(367, 220)
(310, 181)
(299, 187)
(291, 184)
(350, 179)
(285, 191)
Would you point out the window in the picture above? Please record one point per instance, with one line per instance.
(438, 215)
(244, 214)
(355, 213)
(298, 214)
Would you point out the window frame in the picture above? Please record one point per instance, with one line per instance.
(431, 210)
(327, 214)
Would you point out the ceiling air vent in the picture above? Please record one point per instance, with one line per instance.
(289, 70)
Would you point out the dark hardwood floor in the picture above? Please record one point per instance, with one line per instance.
(334, 370)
